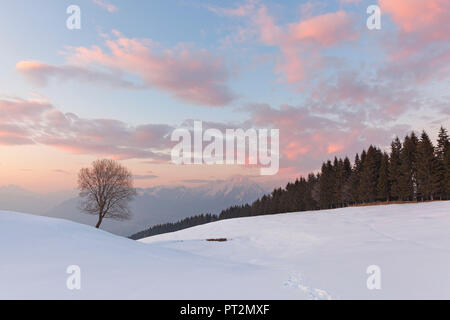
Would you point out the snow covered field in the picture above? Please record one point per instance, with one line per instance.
(313, 255)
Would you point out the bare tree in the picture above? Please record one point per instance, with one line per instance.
(106, 189)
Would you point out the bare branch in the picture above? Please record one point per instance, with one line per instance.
(106, 190)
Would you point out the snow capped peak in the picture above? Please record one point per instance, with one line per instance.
(236, 185)
(163, 204)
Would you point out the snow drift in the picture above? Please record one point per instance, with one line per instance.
(308, 255)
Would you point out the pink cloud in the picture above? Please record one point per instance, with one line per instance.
(190, 75)
(297, 41)
(294, 149)
(106, 5)
(31, 122)
(240, 11)
(325, 30)
(40, 74)
(351, 94)
(333, 148)
(429, 17)
(309, 135)
(194, 76)
(419, 51)
(13, 139)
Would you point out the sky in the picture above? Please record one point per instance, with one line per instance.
(138, 70)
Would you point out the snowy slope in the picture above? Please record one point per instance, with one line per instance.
(317, 255)
(36, 251)
(326, 254)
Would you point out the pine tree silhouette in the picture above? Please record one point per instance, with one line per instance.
(427, 169)
(394, 168)
(443, 145)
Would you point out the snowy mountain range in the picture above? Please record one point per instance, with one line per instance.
(15, 198)
(152, 206)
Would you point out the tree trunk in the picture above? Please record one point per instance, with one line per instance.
(100, 219)
(100, 216)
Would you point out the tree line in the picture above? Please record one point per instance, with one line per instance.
(413, 170)
(180, 225)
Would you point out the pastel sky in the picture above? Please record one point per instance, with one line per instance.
(137, 70)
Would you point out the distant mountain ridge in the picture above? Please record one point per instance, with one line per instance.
(165, 204)
(15, 198)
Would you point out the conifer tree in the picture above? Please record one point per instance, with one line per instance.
(327, 181)
(369, 175)
(427, 169)
(347, 168)
(346, 186)
(443, 143)
(442, 146)
(353, 183)
(447, 173)
(360, 191)
(394, 168)
(383, 189)
(339, 182)
(406, 180)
